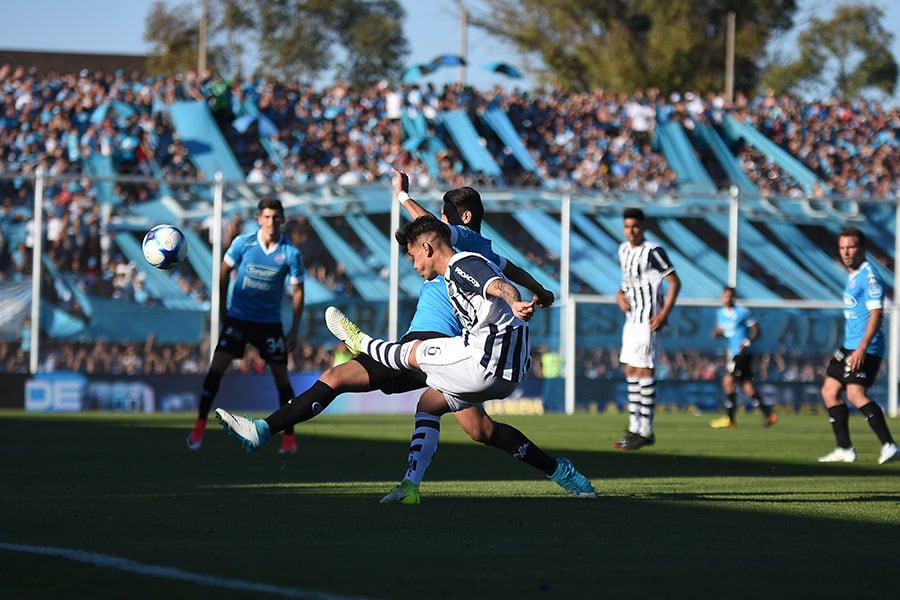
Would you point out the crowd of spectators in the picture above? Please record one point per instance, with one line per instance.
(600, 141)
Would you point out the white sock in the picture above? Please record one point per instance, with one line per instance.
(423, 445)
(648, 405)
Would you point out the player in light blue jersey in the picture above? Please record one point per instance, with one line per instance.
(434, 317)
(735, 323)
(261, 262)
(855, 365)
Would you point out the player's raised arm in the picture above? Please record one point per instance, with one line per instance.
(401, 192)
(542, 296)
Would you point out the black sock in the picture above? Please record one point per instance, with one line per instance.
(840, 417)
(875, 418)
(285, 395)
(765, 408)
(511, 440)
(731, 405)
(208, 393)
(302, 408)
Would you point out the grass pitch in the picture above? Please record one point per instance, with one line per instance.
(115, 506)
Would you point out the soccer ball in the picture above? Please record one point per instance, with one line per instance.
(164, 246)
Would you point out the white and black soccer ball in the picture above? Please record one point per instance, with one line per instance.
(164, 246)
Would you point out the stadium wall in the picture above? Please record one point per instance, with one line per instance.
(75, 392)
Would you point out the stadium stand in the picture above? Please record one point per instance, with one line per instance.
(800, 168)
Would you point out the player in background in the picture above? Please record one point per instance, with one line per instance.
(645, 266)
(487, 361)
(854, 366)
(434, 317)
(262, 262)
(735, 323)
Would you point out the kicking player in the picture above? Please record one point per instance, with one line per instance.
(486, 362)
(262, 260)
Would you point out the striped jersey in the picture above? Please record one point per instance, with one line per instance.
(259, 285)
(735, 323)
(488, 322)
(433, 309)
(643, 269)
(864, 292)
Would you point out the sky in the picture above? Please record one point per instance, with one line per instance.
(433, 27)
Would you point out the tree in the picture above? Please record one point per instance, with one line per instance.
(845, 55)
(361, 40)
(674, 45)
(174, 35)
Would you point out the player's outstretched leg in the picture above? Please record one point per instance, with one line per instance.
(252, 433)
(571, 480)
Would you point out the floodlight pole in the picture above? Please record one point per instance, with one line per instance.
(463, 41)
(201, 43)
(729, 58)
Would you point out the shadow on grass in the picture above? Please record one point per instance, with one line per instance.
(679, 526)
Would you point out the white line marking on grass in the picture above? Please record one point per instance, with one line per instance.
(124, 564)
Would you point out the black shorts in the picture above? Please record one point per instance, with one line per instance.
(390, 381)
(268, 338)
(741, 367)
(865, 377)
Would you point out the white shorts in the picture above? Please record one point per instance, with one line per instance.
(640, 346)
(452, 367)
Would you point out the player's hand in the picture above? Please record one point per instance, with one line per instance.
(401, 181)
(657, 322)
(290, 341)
(544, 299)
(855, 360)
(523, 310)
(622, 301)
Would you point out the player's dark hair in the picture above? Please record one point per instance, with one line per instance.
(730, 288)
(461, 199)
(854, 233)
(633, 213)
(423, 225)
(271, 203)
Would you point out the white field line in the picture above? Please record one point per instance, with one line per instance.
(124, 564)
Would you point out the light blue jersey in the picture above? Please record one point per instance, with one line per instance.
(464, 239)
(434, 311)
(259, 286)
(864, 292)
(735, 323)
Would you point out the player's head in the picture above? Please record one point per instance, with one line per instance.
(270, 203)
(463, 206)
(852, 247)
(728, 295)
(270, 215)
(633, 226)
(426, 240)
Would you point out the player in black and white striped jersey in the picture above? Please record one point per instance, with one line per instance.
(486, 362)
(645, 266)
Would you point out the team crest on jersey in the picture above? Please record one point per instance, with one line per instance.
(279, 258)
(874, 290)
(849, 301)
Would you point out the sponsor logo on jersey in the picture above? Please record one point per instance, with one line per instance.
(463, 275)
